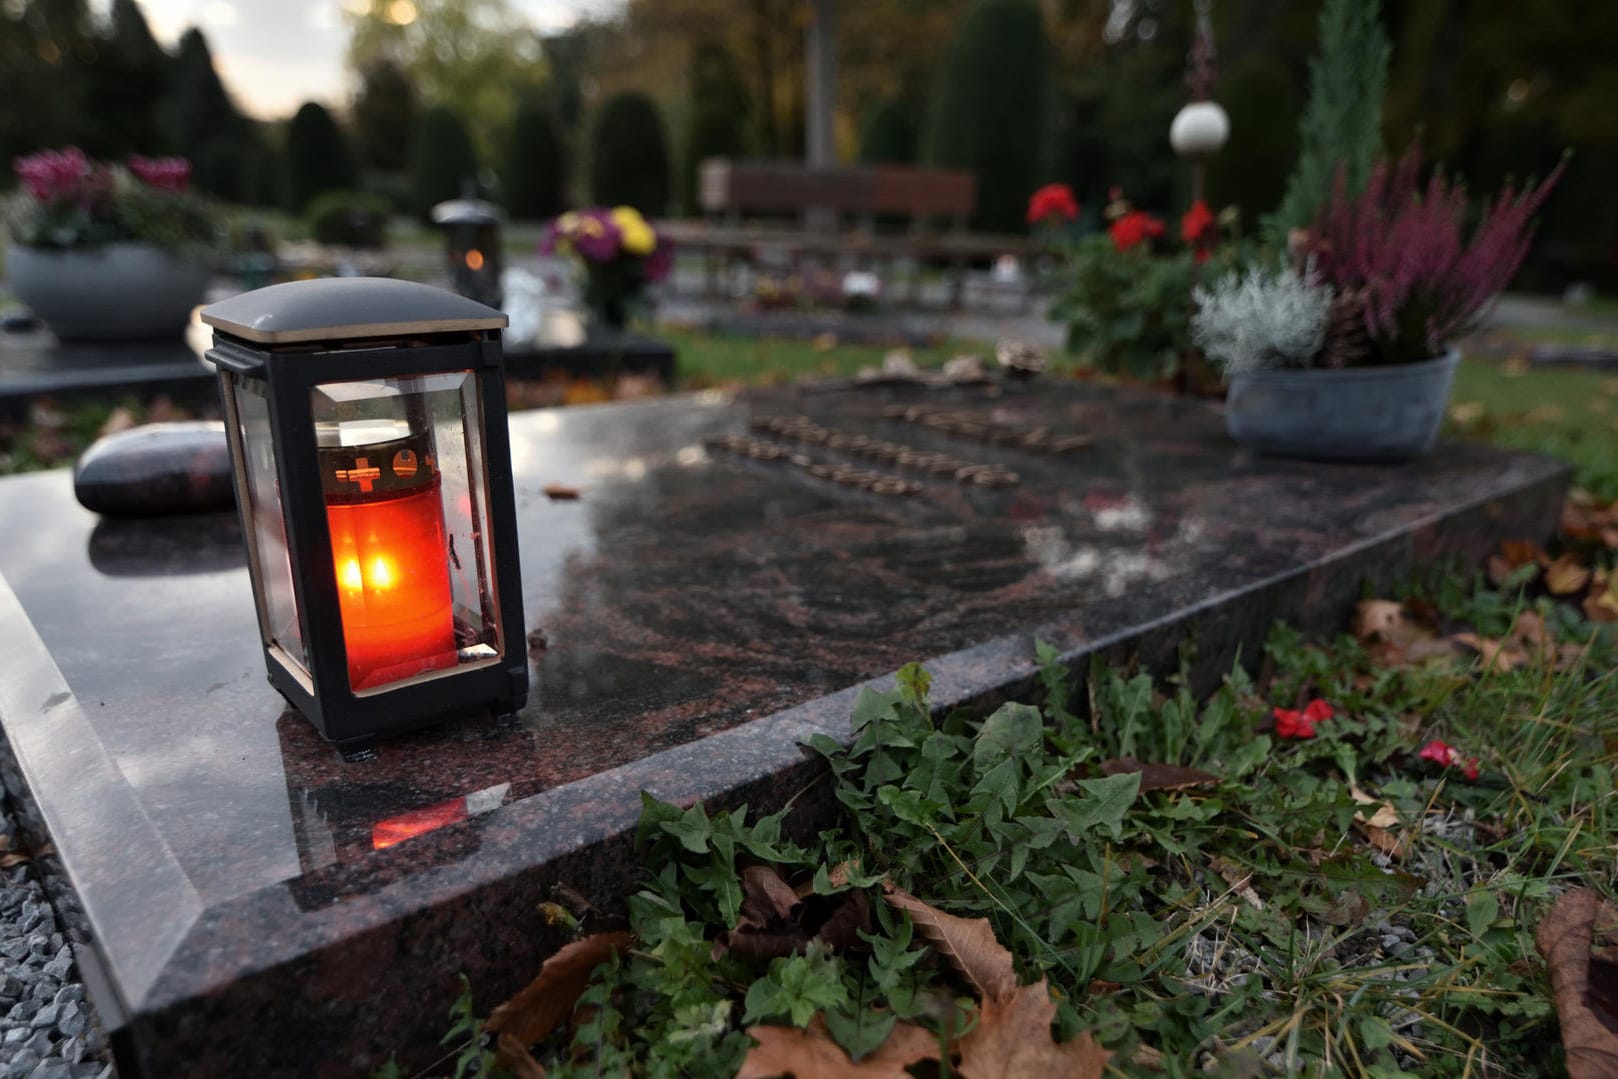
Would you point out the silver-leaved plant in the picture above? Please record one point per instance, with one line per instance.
(1261, 319)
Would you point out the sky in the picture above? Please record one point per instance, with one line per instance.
(273, 55)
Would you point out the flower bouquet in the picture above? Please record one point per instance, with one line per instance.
(619, 252)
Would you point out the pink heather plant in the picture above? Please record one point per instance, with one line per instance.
(1401, 248)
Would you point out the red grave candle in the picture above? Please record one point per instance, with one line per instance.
(389, 555)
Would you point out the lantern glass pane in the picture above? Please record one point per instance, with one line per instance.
(278, 600)
(402, 471)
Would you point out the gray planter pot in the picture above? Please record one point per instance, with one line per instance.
(116, 291)
(1389, 413)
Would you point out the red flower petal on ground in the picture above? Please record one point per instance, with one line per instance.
(1291, 723)
(1052, 200)
(1318, 711)
(1470, 771)
(1439, 752)
(1134, 227)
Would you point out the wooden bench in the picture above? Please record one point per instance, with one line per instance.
(755, 209)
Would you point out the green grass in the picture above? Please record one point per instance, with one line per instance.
(709, 359)
(1570, 414)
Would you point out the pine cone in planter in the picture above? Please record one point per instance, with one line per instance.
(1347, 344)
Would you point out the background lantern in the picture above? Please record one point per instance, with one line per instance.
(472, 234)
(367, 425)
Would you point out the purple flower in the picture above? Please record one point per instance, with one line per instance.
(59, 175)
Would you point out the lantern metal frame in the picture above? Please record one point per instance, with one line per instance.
(290, 357)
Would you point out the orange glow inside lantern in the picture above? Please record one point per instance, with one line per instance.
(474, 259)
(390, 557)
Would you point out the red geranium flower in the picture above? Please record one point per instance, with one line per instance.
(1293, 723)
(1445, 755)
(1134, 227)
(1197, 229)
(1052, 200)
(1439, 752)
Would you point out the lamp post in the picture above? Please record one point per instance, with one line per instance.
(1199, 130)
(367, 429)
(472, 237)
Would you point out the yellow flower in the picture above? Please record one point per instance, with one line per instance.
(634, 233)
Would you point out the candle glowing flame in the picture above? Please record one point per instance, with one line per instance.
(474, 259)
(378, 575)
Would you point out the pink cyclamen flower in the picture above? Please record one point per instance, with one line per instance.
(163, 173)
(56, 175)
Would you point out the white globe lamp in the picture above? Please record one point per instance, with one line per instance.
(1199, 130)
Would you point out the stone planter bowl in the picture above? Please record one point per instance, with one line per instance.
(1387, 413)
(120, 291)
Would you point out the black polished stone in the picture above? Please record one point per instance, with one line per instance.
(603, 354)
(254, 902)
(157, 469)
(35, 364)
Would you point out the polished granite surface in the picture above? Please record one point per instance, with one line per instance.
(696, 612)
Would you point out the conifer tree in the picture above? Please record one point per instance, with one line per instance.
(318, 157)
(1342, 124)
(535, 164)
(988, 108)
(629, 158)
(444, 158)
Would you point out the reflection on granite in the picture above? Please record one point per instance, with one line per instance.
(700, 615)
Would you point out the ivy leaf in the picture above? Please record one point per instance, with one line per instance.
(797, 987)
(1482, 908)
(1104, 805)
(1013, 730)
(860, 1031)
(692, 829)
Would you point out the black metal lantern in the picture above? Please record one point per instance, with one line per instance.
(472, 232)
(367, 426)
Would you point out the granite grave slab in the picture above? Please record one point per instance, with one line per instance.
(243, 899)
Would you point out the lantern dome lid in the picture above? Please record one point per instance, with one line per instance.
(347, 307)
(465, 211)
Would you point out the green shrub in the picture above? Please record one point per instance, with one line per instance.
(535, 165)
(891, 134)
(988, 108)
(444, 158)
(1127, 312)
(318, 157)
(349, 219)
(629, 158)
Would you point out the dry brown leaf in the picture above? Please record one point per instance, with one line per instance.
(1383, 840)
(561, 492)
(1158, 777)
(812, 1054)
(1385, 815)
(1392, 637)
(1589, 1022)
(541, 1005)
(1012, 1040)
(969, 943)
(1565, 576)
(1240, 879)
(765, 896)
(1501, 656)
(517, 1059)
(119, 419)
(1514, 554)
